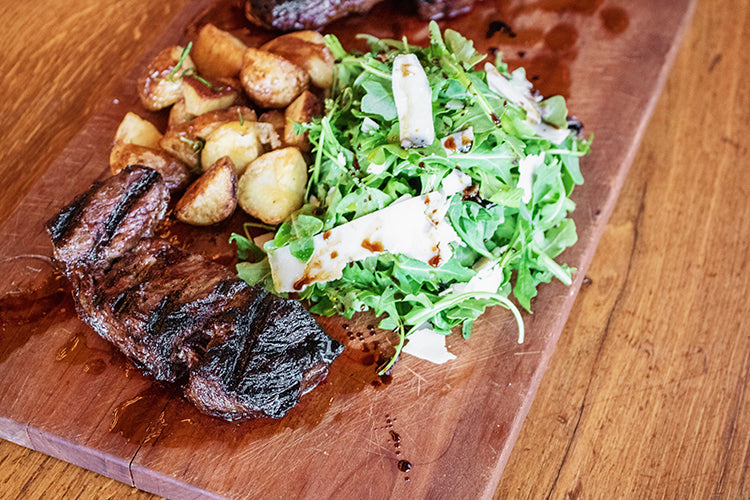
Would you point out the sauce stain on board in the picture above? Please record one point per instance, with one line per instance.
(26, 313)
(76, 351)
(138, 419)
(615, 20)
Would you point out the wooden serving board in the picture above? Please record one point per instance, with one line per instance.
(429, 431)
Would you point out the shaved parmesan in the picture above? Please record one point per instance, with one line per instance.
(518, 91)
(415, 227)
(425, 343)
(526, 168)
(413, 97)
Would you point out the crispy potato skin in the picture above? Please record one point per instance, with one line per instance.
(155, 87)
(212, 198)
(217, 53)
(273, 186)
(308, 50)
(175, 173)
(301, 110)
(271, 81)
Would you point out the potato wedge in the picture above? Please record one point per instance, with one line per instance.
(202, 96)
(175, 173)
(273, 186)
(135, 130)
(270, 80)
(302, 110)
(217, 53)
(185, 140)
(235, 140)
(308, 50)
(210, 199)
(160, 83)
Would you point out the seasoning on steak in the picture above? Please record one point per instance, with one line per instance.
(177, 315)
(288, 15)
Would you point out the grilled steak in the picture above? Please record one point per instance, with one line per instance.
(178, 316)
(288, 15)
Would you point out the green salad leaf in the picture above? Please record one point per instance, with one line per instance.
(523, 163)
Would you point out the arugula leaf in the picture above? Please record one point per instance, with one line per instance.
(254, 272)
(246, 248)
(378, 100)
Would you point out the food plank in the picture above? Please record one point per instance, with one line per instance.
(425, 430)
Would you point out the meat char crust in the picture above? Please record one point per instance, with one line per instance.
(265, 370)
(179, 316)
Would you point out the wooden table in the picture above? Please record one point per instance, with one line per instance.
(646, 393)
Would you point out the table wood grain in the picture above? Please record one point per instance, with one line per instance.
(645, 395)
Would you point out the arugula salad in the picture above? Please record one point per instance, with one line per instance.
(439, 185)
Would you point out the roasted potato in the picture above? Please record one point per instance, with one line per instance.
(217, 53)
(302, 110)
(273, 186)
(270, 80)
(308, 50)
(182, 142)
(175, 173)
(210, 199)
(160, 84)
(135, 130)
(202, 96)
(185, 140)
(238, 141)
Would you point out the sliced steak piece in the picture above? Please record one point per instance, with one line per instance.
(263, 367)
(157, 304)
(288, 15)
(108, 219)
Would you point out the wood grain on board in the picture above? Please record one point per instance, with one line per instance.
(66, 393)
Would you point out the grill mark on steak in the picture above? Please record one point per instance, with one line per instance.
(63, 223)
(179, 316)
(137, 190)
